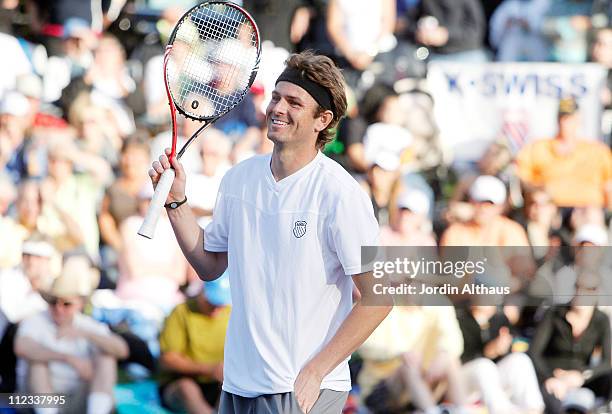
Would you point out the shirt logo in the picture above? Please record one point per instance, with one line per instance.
(299, 229)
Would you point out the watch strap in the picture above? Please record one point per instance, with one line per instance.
(175, 204)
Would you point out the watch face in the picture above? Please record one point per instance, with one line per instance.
(174, 205)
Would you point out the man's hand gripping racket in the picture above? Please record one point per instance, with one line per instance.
(210, 62)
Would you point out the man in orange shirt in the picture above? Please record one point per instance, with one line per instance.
(574, 171)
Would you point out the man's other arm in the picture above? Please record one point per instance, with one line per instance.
(356, 328)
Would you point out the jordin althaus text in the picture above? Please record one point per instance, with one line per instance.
(444, 289)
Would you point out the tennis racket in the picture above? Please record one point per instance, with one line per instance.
(210, 63)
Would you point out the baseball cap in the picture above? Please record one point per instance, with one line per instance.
(567, 106)
(38, 248)
(488, 188)
(14, 103)
(415, 201)
(217, 292)
(591, 233)
(387, 161)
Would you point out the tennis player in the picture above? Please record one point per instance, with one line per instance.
(288, 227)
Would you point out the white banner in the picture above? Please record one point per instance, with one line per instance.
(478, 103)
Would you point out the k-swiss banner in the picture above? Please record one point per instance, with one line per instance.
(516, 102)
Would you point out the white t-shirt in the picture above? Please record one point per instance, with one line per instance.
(291, 245)
(43, 330)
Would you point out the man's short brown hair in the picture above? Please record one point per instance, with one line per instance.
(323, 71)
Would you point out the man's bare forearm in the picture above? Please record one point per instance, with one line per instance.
(111, 344)
(28, 348)
(355, 329)
(190, 237)
(181, 364)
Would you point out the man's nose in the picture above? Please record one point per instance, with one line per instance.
(279, 107)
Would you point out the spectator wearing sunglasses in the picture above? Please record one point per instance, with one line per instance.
(61, 350)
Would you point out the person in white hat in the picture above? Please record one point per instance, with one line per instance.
(20, 286)
(381, 177)
(591, 235)
(20, 298)
(488, 226)
(409, 224)
(61, 350)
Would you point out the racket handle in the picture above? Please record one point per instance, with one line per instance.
(147, 229)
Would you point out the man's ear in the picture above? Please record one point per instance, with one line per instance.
(323, 120)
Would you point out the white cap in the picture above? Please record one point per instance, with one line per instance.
(414, 200)
(37, 248)
(14, 103)
(387, 161)
(591, 233)
(488, 188)
(381, 137)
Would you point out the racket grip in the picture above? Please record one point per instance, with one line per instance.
(147, 229)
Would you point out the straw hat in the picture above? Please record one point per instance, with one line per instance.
(77, 278)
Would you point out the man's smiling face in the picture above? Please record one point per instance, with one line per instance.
(291, 115)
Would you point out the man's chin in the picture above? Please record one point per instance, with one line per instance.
(274, 137)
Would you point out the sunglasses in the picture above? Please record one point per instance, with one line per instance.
(62, 303)
(587, 288)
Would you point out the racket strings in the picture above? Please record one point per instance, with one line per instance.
(214, 54)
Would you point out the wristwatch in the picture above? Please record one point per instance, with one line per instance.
(175, 204)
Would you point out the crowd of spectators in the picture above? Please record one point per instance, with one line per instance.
(83, 113)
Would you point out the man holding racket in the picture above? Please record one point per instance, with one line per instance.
(288, 227)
